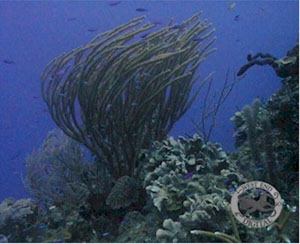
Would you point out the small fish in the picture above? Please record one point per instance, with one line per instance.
(145, 74)
(114, 3)
(61, 71)
(145, 35)
(35, 97)
(231, 6)
(141, 10)
(172, 50)
(198, 39)
(43, 226)
(124, 220)
(236, 133)
(177, 27)
(143, 42)
(262, 9)
(134, 104)
(9, 61)
(259, 192)
(105, 234)
(236, 18)
(260, 168)
(16, 155)
(226, 181)
(12, 169)
(52, 207)
(91, 30)
(188, 175)
(3, 239)
(72, 19)
(231, 189)
(157, 22)
(27, 228)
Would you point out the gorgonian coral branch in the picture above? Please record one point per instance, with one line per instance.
(125, 89)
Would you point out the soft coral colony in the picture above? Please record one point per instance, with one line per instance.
(119, 93)
(111, 174)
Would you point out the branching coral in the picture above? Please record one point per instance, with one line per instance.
(254, 122)
(122, 91)
(190, 181)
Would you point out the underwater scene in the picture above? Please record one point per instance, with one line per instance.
(149, 121)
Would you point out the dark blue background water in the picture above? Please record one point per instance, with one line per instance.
(34, 32)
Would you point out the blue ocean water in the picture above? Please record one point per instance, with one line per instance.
(32, 33)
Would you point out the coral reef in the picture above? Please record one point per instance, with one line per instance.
(112, 175)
